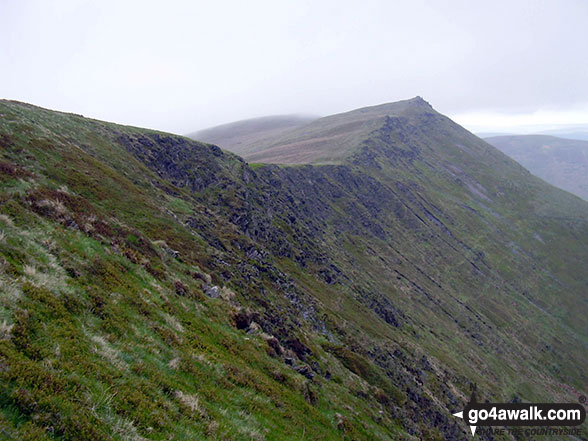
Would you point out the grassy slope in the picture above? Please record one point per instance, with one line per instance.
(416, 273)
(106, 335)
(326, 140)
(561, 162)
(471, 207)
(517, 234)
(243, 136)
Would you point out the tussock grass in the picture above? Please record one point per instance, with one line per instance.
(5, 329)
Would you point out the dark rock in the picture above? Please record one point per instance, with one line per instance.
(212, 291)
(274, 344)
(180, 288)
(242, 320)
(298, 347)
(305, 370)
(172, 253)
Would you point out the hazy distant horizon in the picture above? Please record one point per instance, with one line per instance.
(515, 127)
(560, 130)
(181, 66)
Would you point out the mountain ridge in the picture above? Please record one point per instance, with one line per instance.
(231, 136)
(360, 299)
(299, 144)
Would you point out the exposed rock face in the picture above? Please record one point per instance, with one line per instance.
(212, 291)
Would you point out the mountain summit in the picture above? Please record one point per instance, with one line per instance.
(325, 140)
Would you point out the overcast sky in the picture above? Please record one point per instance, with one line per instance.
(180, 65)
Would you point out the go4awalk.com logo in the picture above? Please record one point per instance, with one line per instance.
(522, 414)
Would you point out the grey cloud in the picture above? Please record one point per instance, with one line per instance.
(182, 65)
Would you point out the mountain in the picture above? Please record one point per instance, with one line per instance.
(566, 132)
(561, 162)
(155, 287)
(239, 137)
(321, 141)
(485, 135)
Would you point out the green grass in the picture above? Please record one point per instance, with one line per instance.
(396, 285)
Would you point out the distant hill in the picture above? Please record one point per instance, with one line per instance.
(484, 135)
(326, 140)
(241, 136)
(576, 132)
(568, 132)
(561, 162)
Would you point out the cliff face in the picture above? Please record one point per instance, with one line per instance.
(182, 292)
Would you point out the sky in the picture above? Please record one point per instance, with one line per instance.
(184, 65)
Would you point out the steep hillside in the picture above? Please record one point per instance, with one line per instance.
(243, 136)
(561, 162)
(154, 287)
